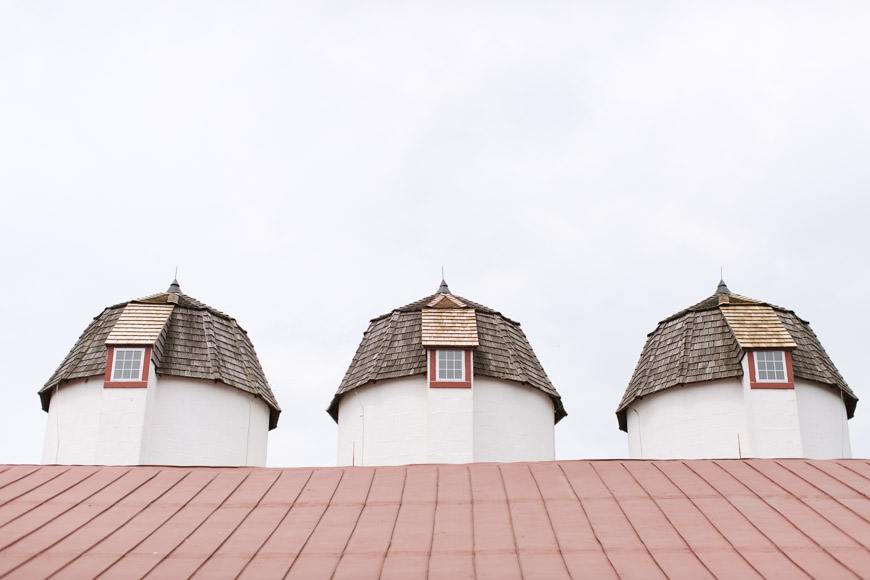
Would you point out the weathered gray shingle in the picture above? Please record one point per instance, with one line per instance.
(197, 342)
(697, 344)
(392, 347)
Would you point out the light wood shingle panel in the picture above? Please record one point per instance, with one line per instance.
(757, 326)
(140, 324)
(449, 327)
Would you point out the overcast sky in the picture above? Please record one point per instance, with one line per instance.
(583, 167)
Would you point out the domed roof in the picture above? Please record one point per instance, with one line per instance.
(707, 341)
(191, 340)
(392, 347)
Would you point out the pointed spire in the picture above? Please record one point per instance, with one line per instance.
(174, 287)
(443, 289)
(722, 289)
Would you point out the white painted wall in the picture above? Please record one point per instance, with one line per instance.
(771, 421)
(122, 423)
(173, 421)
(704, 420)
(74, 423)
(384, 423)
(512, 422)
(403, 421)
(198, 422)
(697, 421)
(450, 422)
(823, 423)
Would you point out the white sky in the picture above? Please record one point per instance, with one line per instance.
(583, 167)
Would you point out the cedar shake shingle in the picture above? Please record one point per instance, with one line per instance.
(393, 347)
(194, 341)
(456, 327)
(140, 324)
(707, 341)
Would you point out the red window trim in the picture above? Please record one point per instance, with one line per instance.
(434, 383)
(146, 368)
(789, 375)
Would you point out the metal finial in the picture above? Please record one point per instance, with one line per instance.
(174, 287)
(722, 289)
(443, 289)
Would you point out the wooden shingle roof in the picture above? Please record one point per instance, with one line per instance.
(195, 341)
(707, 341)
(393, 347)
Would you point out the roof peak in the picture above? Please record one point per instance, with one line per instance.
(722, 288)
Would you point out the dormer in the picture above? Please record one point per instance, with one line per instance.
(449, 329)
(766, 342)
(130, 344)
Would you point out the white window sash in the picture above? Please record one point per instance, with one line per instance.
(758, 378)
(461, 367)
(119, 355)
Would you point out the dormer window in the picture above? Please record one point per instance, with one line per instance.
(770, 366)
(770, 369)
(450, 365)
(127, 364)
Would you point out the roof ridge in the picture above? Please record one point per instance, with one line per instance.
(214, 357)
(380, 360)
(512, 354)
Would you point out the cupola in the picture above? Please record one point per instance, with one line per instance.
(733, 376)
(444, 380)
(165, 380)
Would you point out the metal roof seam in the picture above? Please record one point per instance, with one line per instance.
(471, 494)
(355, 524)
(779, 511)
(434, 518)
(858, 473)
(46, 499)
(803, 502)
(760, 531)
(665, 515)
(132, 517)
(19, 478)
(395, 522)
(707, 518)
(71, 507)
(850, 470)
(627, 519)
(104, 511)
(828, 476)
(507, 500)
(586, 515)
(314, 527)
(278, 525)
(549, 519)
(162, 523)
(239, 523)
(195, 528)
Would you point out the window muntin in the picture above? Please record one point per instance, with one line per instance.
(127, 364)
(451, 365)
(770, 366)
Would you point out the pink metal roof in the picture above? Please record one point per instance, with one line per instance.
(565, 519)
